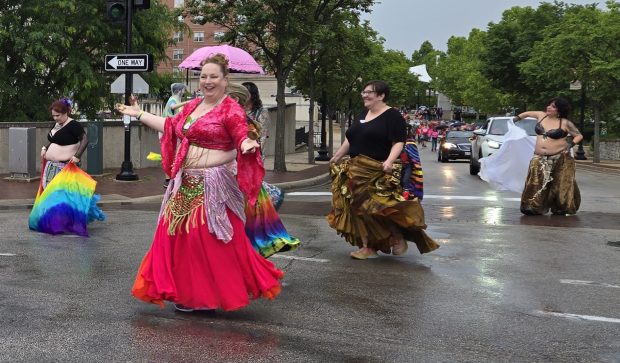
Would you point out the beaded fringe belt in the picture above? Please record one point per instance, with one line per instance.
(183, 208)
(199, 196)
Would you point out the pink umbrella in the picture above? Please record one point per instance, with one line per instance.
(238, 59)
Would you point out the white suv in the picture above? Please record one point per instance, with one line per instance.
(488, 140)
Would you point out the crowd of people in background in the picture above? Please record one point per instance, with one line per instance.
(433, 130)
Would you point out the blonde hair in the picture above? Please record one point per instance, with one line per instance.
(219, 59)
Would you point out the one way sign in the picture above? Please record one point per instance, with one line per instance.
(128, 62)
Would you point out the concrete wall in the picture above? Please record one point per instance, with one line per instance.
(610, 149)
(143, 141)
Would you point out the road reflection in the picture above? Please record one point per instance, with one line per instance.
(202, 336)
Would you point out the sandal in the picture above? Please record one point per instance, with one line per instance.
(400, 248)
(361, 254)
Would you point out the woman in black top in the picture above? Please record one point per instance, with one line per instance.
(368, 207)
(65, 201)
(550, 182)
(66, 141)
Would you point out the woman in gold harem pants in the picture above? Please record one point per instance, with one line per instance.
(368, 203)
(550, 182)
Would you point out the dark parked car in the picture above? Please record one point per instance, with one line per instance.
(456, 145)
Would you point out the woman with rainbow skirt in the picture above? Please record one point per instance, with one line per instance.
(66, 201)
(263, 224)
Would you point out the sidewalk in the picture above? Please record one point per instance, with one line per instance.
(149, 187)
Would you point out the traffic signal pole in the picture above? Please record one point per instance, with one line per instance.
(127, 173)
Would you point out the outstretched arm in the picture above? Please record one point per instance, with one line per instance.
(155, 122)
(535, 114)
(178, 105)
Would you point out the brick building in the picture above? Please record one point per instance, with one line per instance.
(210, 34)
(202, 36)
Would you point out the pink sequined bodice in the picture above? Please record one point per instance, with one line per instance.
(223, 128)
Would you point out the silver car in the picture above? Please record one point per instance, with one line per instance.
(488, 140)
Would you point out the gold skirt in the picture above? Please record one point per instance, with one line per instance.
(367, 202)
(551, 184)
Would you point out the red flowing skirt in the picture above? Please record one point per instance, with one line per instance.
(197, 270)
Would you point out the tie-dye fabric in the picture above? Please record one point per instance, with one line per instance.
(67, 204)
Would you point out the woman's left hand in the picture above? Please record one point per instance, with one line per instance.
(74, 159)
(388, 166)
(249, 146)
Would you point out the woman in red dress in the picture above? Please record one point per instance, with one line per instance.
(201, 257)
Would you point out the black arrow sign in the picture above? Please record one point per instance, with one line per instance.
(128, 62)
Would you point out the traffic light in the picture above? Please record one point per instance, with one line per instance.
(116, 11)
(141, 4)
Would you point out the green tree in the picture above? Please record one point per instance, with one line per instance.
(56, 48)
(281, 31)
(584, 46)
(159, 84)
(459, 76)
(509, 43)
(331, 72)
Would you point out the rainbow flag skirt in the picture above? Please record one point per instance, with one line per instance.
(67, 204)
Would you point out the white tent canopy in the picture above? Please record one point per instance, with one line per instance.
(421, 72)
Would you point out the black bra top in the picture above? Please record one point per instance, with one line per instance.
(558, 133)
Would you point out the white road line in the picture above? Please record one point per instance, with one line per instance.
(428, 196)
(590, 283)
(289, 257)
(578, 317)
(8, 254)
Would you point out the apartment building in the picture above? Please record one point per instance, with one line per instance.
(202, 36)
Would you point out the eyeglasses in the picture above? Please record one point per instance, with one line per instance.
(366, 93)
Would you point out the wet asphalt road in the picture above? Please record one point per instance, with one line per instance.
(501, 288)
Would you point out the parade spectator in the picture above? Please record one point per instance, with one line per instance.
(362, 212)
(65, 202)
(201, 257)
(434, 134)
(424, 133)
(256, 111)
(550, 182)
(174, 104)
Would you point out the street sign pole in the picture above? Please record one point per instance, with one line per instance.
(127, 173)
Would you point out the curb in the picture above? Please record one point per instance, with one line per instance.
(303, 183)
(285, 186)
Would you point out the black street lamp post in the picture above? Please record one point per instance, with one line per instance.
(323, 152)
(580, 154)
(127, 173)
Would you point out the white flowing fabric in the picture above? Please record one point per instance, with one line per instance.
(507, 168)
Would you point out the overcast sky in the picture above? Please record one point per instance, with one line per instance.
(406, 24)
